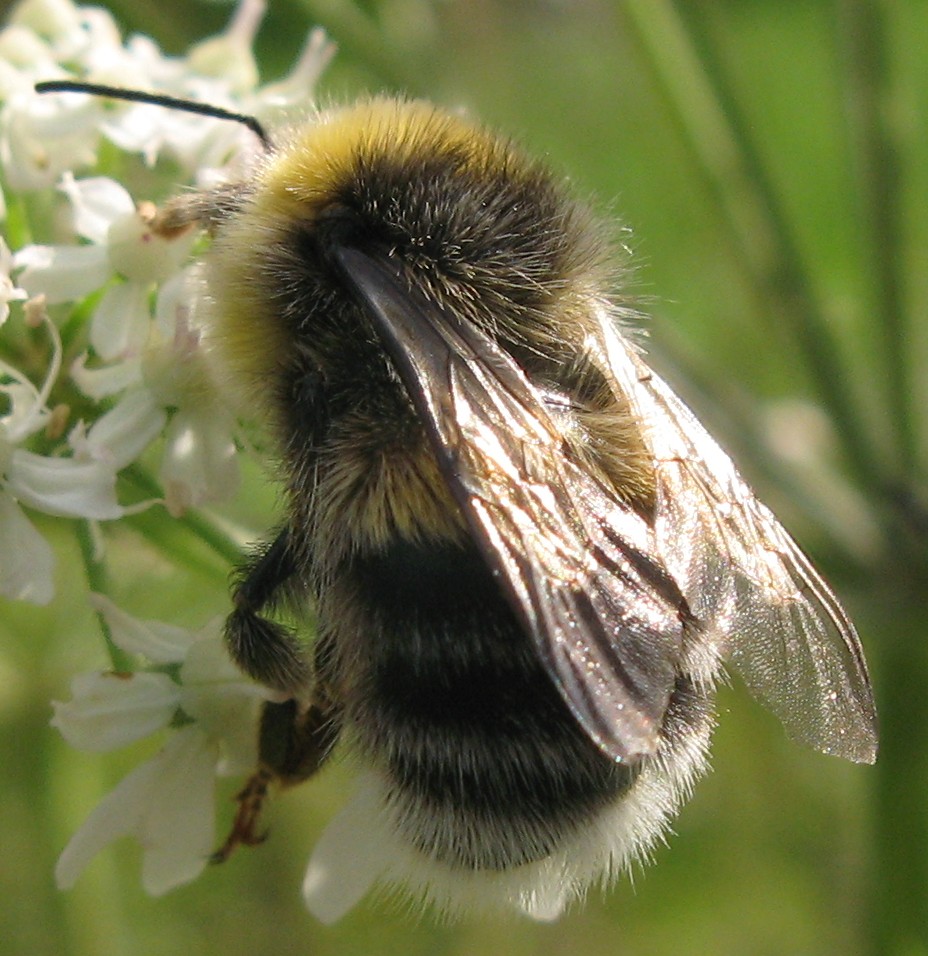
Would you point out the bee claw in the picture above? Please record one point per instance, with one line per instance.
(250, 801)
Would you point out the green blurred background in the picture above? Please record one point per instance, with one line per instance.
(771, 159)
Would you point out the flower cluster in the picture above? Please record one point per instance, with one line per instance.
(102, 368)
(81, 253)
(167, 803)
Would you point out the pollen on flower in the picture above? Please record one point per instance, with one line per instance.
(142, 255)
(57, 421)
(35, 310)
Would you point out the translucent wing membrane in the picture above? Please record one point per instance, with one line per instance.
(606, 595)
(745, 578)
(576, 563)
(608, 619)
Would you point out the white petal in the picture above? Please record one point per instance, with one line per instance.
(64, 487)
(229, 55)
(110, 710)
(349, 857)
(62, 273)
(98, 36)
(160, 643)
(51, 18)
(177, 298)
(296, 88)
(24, 416)
(142, 255)
(167, 803)
(200, 462)
(120, 323)
(21, 48)
(230, 720)
(96, 203)
(222, 700)
(125, 431)
(118, 814)
(108, 380)
(26, 567)
(238, 745)
(136, 129)
(178, 831)
(8, 291)
(42, 140)
(229, 716)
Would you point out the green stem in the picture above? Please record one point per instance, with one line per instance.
(899, 871)
(691, 79)
(362, 39)
(203, 528)
(863, 29)
(898, 877)
(97, 580)
(17, 230)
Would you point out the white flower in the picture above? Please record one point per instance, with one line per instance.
(278, 101)
(146, 373)
(66, 487)
(109, 710)
(70, 30)
(26, 569)
(120, 435)
(61, 273)
(229, 55)
(42, 137)
(200, 463)
(8, 291)
(168, 380)
(167, 803)
(123, 244)
(159, 365)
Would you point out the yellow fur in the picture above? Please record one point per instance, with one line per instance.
(243, 332)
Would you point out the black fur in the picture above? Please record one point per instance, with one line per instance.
(481, 751)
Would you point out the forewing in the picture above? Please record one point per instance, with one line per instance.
(576, 563)
(746, 579)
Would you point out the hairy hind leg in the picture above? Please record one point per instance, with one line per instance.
(265, 649)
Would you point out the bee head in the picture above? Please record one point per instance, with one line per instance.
(474, 225)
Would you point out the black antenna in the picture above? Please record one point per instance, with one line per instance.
(156, 99)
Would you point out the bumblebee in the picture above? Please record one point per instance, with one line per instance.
(527, 561)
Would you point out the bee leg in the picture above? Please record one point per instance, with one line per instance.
(293, 743)
(250, 801)
(264, 649)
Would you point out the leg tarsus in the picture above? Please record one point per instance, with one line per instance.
(250, 803)
(293, 743)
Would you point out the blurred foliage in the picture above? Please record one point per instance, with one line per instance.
(771, 158)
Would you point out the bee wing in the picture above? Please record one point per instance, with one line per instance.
(576, 563)
(746, 579)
